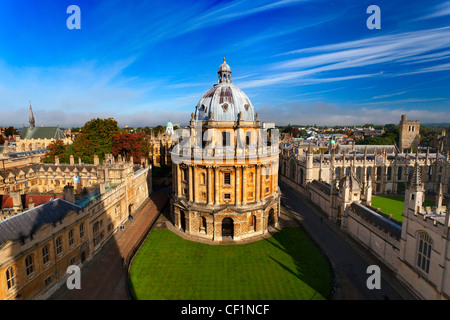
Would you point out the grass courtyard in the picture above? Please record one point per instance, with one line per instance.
(286, 266)
(394, 205)
(390, 205)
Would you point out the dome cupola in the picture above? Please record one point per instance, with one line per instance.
(225, 101)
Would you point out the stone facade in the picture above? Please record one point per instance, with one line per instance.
(225, 182)
(408, 133)
(33, 262)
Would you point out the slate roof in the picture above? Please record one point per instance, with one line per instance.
(28, 222)
(324, 187)
(394, 229)
(42, 133)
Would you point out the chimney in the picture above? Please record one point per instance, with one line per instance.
(56, 160)
(102, 188)
(71, 160)
(30, 204)
(79, 161)
(17, 200)
(69, 194)
(96, 160)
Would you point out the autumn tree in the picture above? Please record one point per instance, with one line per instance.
(130, 144)
(57, 148)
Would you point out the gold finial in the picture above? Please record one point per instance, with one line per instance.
(223, 59)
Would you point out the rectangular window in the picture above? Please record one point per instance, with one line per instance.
(48, 281)
(227, 178)
(82, 231)
(227, 196)
(71, 241)
(45, 254)
(58, 245)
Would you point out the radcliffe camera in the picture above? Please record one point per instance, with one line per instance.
(224, 159)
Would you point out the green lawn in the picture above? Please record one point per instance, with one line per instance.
(394, 205)
(390, 205)
(286, 266)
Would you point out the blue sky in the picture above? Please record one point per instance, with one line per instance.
(147, 62)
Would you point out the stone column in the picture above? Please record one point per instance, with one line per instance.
(258, 182)
(209, 185)
(244, 185)
(216, 185)
(195, 184)
(190, 182)
(178, 181)
(237, 186)
(262, 184)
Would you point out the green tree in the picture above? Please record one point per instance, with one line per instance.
(96, 138)
(10, 131)
(157, 130)
(57, 148)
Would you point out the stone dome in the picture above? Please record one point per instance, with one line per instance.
(225, 100)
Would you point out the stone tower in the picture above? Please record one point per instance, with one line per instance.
(408, 133)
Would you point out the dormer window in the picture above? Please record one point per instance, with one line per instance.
(225, 107)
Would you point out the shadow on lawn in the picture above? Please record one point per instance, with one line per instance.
(311, 267)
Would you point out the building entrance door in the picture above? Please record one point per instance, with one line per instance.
(227, 227)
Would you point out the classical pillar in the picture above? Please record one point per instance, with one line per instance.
(209, 185)
(244, 185)
(216, 185)
(237, 186)
(178, 181)
(195, 183)
(191, 185)
(258, 182)
(263, 180)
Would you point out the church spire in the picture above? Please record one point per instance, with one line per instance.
(31, 118)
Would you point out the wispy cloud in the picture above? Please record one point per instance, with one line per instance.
(438, 11)
(392, 52)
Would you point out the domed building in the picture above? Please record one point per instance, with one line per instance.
(225, 168)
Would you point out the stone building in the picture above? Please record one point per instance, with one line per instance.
(225, 174)
(35, 137)
(38, 244)
(416, 249)
(408, 133)
(160, 148)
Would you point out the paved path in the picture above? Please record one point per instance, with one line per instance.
(104, 277)
(349, 259)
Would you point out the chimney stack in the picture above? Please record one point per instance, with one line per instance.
(17, 200)
(69, 194)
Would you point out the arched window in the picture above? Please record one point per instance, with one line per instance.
(250, 177)
(81, 230)
(45, 254)
(338, 172)
(399, 173)
(202, 178)
(252, 223)
(424, 245)
(58, 243)
(10, 277)
(202, 225)
(29, 265)
(71, 240)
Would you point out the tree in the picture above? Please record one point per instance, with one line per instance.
(130, 144)
(2, 140)
(57, 148)
(10, 131)
(96, 138)
(157, 130)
